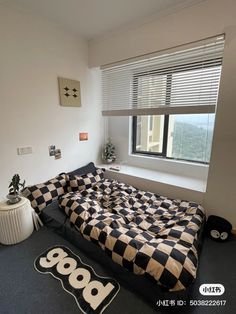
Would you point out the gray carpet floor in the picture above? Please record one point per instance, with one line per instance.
(25, 291)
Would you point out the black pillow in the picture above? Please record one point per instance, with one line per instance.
(90, 167)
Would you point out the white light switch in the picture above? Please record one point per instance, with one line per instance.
(24, 150)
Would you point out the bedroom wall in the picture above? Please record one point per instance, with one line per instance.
(205, 19)
(34, 52)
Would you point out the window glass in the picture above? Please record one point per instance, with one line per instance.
(149, 134)
(186, 136)
(190, 136)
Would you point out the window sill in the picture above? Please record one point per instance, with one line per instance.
(171, 160)
(179, 168)
(172, 185)
(158, 176)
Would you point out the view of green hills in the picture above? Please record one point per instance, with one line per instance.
(192, 140)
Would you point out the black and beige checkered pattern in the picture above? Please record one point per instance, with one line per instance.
(41, 195)
(145, 233)
(86, 181)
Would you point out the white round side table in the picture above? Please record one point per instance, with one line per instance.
(16, 222)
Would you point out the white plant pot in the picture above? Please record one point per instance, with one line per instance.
(13, 198)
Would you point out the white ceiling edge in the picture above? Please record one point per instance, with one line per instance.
(111, 33)
(21, 9)
(147, 20)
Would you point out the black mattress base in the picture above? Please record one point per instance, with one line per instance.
(148, 289)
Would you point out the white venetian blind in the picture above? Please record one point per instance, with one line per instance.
(179, 82)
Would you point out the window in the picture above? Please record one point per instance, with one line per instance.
(181, 136)
(172, 97)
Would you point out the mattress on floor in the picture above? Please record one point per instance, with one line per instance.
(57, 220)
(143, 232)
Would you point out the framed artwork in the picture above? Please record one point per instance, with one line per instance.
(69, 91)
(57, 154)
(83, 136)
(51, 150)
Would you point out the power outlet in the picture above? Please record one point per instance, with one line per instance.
(24, 150)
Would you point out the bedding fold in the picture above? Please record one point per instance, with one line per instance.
(141, 231)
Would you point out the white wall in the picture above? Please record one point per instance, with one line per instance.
(34, 52)
(208, 18)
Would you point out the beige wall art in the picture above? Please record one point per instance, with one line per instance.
(69, 91)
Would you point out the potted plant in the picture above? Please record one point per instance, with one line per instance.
(109, 152)
(14, 189)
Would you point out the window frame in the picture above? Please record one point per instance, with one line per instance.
(163, 154)
(165, 141)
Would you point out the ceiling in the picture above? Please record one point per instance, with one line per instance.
(96, 18)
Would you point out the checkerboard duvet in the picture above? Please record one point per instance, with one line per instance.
(145, 233)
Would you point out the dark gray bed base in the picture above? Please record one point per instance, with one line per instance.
(147, 288)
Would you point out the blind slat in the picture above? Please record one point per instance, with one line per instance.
(182, 79)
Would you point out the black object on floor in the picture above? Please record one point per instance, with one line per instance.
(24, 291)
(218, 228)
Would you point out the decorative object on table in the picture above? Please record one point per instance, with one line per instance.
(51, 150)
(92, 293)
(69, 91)
(218, 228)
(14, 189)
(83, 136)
(109, 152)
(16, 221)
